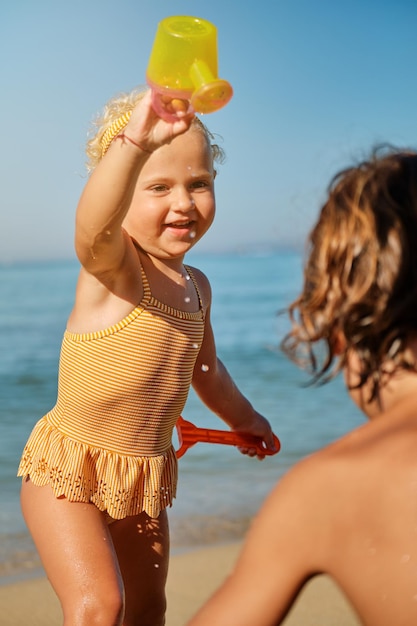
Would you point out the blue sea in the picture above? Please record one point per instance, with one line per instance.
(219, 489)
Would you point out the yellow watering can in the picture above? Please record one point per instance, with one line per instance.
(183, 67)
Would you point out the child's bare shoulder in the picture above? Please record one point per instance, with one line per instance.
(202, 281)
(353, 478)
(321, 480)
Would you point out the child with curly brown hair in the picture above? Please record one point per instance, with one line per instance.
(349, 510)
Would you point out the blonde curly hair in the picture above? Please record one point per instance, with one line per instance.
(115, 116)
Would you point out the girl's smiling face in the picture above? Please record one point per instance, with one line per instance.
(173, 204)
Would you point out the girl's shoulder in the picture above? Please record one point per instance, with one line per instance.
(203, 283)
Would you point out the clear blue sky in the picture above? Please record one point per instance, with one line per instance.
(316, 82)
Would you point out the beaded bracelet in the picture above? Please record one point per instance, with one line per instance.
(135, 143)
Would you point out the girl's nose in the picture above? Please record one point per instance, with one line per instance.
(183, 201)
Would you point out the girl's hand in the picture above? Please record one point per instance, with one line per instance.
(150, 131)
(260, 427)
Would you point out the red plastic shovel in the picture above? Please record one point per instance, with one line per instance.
(188, 435)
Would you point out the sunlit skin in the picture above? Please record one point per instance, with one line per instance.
(173, 205)
(349, 511)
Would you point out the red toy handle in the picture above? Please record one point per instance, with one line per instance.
(188, 435)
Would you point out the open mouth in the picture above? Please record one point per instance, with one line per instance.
(181, 225)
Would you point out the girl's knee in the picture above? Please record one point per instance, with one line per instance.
(95, 609)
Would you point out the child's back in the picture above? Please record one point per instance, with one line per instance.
(356, 511)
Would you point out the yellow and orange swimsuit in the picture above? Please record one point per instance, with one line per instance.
(108, 440)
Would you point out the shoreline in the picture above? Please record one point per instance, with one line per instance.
(193, 576)
(19, 560)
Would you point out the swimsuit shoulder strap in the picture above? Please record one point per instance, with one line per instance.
(147, 294)
(193, 278)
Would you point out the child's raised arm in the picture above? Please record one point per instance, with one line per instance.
(99, 241)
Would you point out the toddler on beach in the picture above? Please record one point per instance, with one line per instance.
(349, 510)
(99, 470)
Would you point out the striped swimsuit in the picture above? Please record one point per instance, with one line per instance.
(108, 440)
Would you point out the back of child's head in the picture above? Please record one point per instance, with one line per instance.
(360, 277)
(114, 118)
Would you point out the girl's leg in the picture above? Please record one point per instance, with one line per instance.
(142, 547)
(76, 549)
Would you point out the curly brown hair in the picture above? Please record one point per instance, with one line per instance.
(360, 274)
(124, 103)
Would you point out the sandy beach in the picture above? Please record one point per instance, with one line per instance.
(193, 577)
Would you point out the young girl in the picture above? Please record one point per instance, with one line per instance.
(350, 510)
(99, 470)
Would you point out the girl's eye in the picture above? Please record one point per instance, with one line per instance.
(159, 188)
(199, 184)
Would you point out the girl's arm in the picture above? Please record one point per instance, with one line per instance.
(99, 240)
(216, 388)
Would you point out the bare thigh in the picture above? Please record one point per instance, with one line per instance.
(77, 552)
(142, 547)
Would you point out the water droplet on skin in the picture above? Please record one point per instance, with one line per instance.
(192, 235)
(187, 277)
(156, 565)
(205, 368)
(187, 299)
(195, 345)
